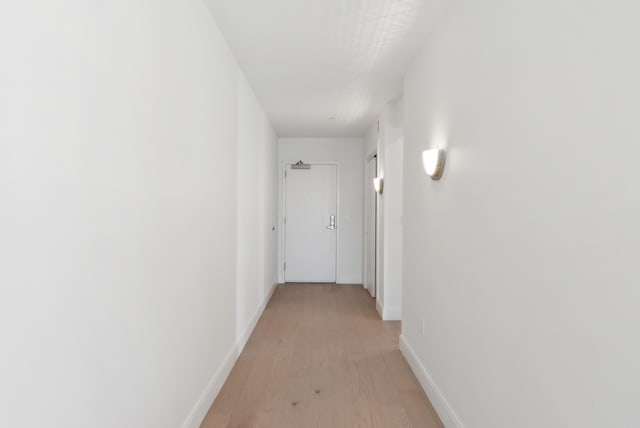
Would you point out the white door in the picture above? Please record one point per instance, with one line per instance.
(370, 226)
(311, 200)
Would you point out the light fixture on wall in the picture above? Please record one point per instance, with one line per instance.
(433, 161)
(378, 184)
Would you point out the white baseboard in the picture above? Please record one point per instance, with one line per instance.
(388, 314)
(392, 314)
(369, 291)
(440, 404)
(212, 390)
(214, 386)
(348, 279)
(242, 340)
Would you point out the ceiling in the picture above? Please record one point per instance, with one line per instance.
(324, 67)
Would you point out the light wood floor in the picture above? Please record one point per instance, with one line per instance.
(321, 357)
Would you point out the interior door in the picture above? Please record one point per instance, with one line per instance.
(370, 226)
(311, 200)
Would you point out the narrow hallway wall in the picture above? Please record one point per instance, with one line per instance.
(256, 251)
(118, 182)
(385, 137)
(522, 261)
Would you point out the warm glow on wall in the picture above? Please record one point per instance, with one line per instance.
(433, 162)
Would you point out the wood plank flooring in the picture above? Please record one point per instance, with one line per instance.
(321, 357)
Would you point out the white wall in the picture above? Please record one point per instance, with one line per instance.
(257, 177)
(118, 131)
(348, 153)
(522, 260)
(371, 140)
(389, 148)
(370, 149)
(392, 195)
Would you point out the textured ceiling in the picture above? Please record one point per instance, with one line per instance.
(324, 67)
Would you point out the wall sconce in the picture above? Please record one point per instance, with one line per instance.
(433, 162)
(378, 184)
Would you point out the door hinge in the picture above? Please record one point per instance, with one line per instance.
(285, 173)
(285, 265)
(285, 220)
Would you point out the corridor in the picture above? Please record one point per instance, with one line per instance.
(181, 180)
(321, 357)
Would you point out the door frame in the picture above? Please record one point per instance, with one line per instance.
(283, 237)
(371, 240)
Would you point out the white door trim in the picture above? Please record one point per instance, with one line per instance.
(283, 210)
(373, 157)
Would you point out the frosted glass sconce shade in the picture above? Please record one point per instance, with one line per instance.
(378, 184)
(433, 162)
